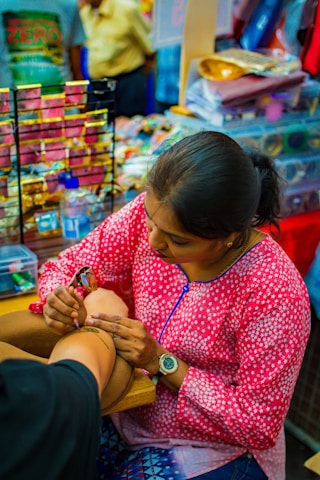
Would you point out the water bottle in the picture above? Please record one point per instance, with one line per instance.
(74, 211)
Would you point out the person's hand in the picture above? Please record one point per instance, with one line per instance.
(64, 310)
(132, 340)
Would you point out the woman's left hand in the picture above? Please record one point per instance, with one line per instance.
(132, 340)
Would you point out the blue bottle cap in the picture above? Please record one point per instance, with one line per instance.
(72, 182)
(62, 178)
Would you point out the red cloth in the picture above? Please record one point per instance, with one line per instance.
(310, 52)
(300, 236)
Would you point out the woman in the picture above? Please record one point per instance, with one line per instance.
(220, 316)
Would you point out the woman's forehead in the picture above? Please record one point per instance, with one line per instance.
(163, 215)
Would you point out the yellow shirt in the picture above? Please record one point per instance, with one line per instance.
(118, 37)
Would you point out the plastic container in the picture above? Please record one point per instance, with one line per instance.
(18, 270)
(300, 170)
(74, 211)
(300, 199)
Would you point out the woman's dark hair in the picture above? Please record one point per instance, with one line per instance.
(214, 187)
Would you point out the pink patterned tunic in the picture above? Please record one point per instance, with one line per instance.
(243, 334)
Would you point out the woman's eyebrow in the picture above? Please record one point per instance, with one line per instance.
(172, 234)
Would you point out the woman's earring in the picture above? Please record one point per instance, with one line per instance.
(229, 244)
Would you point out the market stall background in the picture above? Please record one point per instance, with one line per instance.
(279, 114)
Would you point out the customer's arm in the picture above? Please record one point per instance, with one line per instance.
(75, 62)
(92, 347)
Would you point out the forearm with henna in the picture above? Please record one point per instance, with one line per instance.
(90, 346)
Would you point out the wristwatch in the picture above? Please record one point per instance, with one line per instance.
(167, 364)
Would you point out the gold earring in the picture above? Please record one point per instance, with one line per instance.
(229, 244)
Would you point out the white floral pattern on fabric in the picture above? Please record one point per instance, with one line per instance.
(243, 334)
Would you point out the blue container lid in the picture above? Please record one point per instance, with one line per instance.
(14, 254)
(72, 182)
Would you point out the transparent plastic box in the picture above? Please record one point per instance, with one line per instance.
(300, 170)
(300, 199)
(18, 270)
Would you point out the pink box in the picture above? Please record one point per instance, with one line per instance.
(29, 97)
(30, 153)
(79, 157)
(100, 152)
(6, 133)
(51, 179)
(91, 175)
(76, 92)
(5, 157)
(52, 128)
(30, 130)
(4, 186)
(52, 106)
(55, 151)
(74, 126)
(94, 131)
(4, 100)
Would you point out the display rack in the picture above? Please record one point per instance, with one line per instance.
(46, 133)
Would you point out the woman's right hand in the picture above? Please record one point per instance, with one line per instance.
(63, 310)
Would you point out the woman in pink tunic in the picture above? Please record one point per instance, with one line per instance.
(219, 316)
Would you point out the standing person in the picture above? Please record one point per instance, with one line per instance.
(40, 42)
(221, 316)
(119, 47)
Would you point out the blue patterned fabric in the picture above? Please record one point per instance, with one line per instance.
(116, 461)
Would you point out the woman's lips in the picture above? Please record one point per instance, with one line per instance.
(160, 254)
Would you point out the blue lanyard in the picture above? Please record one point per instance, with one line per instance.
(185, 289)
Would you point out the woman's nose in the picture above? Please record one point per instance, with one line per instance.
(156, 239)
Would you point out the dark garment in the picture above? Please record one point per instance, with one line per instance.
(131, 94)
(50, 421)
(244, 467)
(161, 107)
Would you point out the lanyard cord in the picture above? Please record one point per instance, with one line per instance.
(185, 289)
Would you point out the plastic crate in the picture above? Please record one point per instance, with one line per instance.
(18, 270)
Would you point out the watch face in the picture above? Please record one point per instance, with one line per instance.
(168, 363)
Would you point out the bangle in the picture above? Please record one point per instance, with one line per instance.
(155, 378)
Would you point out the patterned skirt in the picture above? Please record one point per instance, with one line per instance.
(115, 461)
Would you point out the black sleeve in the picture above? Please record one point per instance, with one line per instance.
(50, 420)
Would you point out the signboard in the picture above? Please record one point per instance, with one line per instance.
(169, 20)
